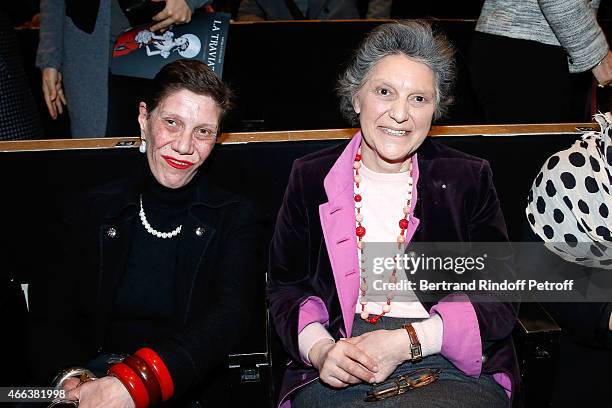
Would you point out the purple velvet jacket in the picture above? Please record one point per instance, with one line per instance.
(314, 273)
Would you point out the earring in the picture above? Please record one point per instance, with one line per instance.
(143, 146)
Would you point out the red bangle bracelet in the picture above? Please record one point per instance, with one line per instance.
(146, 375)
(132, 382)
(161, 371)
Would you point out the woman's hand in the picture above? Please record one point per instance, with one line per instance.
(104, 392)
(603, 70)
(53, 91)
(388, 348)
(70, 383)
(342, 363)
(175, 12)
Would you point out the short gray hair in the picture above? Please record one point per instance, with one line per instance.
(414, 39)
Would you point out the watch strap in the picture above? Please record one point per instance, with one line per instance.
(415, 345)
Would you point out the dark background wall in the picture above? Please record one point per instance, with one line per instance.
(284, 74)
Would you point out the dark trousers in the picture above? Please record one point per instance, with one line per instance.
(452, 390)
(520, 81)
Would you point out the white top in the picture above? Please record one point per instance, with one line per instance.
(384, 197)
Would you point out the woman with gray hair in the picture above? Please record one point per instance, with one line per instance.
(347, 206)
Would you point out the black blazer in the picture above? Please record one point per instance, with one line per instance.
(216, 272)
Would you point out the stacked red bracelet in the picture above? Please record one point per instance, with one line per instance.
(146, 378)
(142, 369)
(159, 370)
(132, 382)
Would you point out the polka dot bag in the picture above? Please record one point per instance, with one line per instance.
(570, 202)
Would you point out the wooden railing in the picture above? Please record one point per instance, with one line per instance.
(300, 135)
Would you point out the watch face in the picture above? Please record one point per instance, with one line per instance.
(416, 353)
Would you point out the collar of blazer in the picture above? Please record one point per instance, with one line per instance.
(338, 224)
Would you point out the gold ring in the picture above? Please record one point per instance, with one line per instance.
(85, 377)
(81, 373)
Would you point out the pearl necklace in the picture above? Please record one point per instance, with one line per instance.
(153, 231)
(360, 231)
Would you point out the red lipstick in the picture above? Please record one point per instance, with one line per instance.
(177, 164)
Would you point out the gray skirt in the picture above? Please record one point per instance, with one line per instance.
(453, 388)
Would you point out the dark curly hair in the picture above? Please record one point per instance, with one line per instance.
(191, 75)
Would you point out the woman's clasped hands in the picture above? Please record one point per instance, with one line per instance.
(370, 357)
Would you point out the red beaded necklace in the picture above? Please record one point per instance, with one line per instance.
(360, 231)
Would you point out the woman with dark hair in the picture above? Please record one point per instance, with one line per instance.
(343, 204)
(156, 272)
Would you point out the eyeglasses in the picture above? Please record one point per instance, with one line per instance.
(397, 386)
(64, 403)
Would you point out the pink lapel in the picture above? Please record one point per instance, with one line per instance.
(338, 224)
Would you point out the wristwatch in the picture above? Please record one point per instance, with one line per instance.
(415, 345)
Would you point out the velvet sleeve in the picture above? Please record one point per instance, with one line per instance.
(288, 285)
(496, 319)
